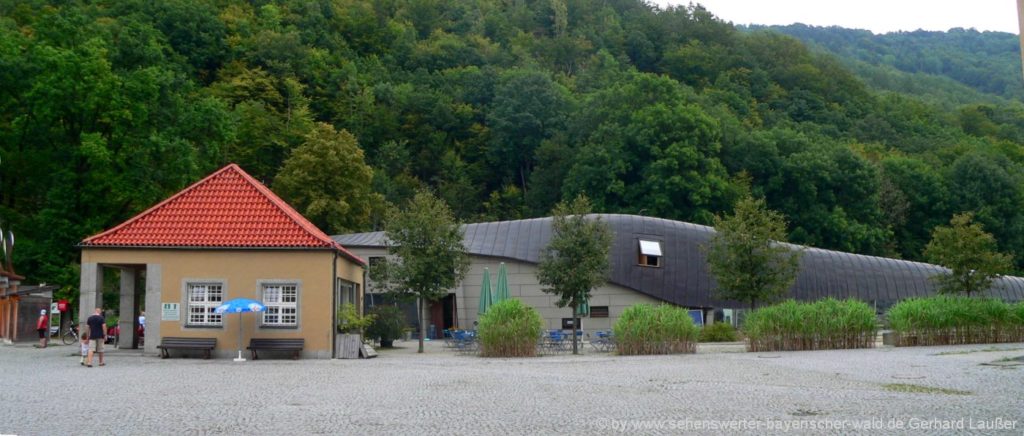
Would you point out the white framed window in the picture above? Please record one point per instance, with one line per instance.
(650, 253)
(282, 301)
(203, 298)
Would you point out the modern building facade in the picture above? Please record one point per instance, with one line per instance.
(659, 260)
(225, 237)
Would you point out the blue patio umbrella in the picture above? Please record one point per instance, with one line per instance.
(485, 294)
(240, 305)
(501, 293)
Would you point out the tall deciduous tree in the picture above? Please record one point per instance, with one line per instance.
(576, 259)
(327, 180)
(427, 257)
(747, 257)
(969, 252)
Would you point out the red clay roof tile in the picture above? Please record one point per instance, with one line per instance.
(228, 209)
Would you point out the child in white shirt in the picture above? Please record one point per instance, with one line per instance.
(85, 346)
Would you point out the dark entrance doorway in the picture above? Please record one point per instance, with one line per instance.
(442, 316)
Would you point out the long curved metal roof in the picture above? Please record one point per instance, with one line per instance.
(683, 277)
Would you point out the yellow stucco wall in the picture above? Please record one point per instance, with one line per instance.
(241, 273)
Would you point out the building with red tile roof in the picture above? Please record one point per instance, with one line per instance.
(226, 236)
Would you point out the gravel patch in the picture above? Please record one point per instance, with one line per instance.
(400, 392)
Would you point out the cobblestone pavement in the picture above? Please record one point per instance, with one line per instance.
(47, 392)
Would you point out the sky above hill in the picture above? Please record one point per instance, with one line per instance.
(879, 16)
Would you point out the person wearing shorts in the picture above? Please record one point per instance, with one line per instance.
(97, 335)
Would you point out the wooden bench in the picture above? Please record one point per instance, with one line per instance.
(293, 345)
(170, 343)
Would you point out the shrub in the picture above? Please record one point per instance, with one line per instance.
(718, 332)
(388, 324)
(509, 329)
(948, 320)
(350, 321)
(821, 325)
(661, 329)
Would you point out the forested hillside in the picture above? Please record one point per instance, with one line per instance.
(926, 63)
(502, 107)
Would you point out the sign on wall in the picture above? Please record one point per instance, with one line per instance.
(171, 312)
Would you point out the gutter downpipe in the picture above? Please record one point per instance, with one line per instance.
(334, 307)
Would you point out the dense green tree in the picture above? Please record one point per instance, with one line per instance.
(576, 259)
(969, 252)
(528, 108)
(426, 255)
(106, 108)
(748, 255)
(326, 179)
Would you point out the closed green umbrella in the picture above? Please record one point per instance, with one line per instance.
(584, 308)
(501, 294)
(485, 293)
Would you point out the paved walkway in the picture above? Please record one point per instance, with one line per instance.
(715, 391)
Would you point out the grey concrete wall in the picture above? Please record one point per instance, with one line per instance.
(154, 275)
(523, 284)
(90, 291)
(127, 318)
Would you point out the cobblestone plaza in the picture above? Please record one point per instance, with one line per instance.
(897, 390)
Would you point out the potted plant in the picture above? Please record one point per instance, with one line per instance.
(350, 321)
(388, 325)
(351, 326)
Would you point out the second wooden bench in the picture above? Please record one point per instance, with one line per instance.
(294, 345)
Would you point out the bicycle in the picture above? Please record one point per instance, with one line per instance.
(70, 336)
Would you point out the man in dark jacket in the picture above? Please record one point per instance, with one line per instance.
(97, 335)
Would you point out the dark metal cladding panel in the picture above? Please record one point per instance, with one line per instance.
(472, 238)
(684, 278)
(469, 236)
(501, 238)
(911, 278)
(918, 276)
(860, 275)
(883, 289)
(889, 276)
(524, 241)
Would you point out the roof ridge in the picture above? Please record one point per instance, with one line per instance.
(285, 208)
(167, 200)
(298, 231)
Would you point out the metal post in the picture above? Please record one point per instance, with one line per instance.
(240, 358)
(1020, 23)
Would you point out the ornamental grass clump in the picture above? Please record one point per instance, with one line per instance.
(509, 329)
(661, 329)
(952, 320)
(822, 325)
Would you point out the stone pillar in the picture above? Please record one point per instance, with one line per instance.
(153, 307)
(127, 319)
(90, 292)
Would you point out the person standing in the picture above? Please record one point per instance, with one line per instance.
(85, 347)
(97, 335)
(43, 327)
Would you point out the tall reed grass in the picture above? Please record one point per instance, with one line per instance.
(661, 329)
(950, 320)
(509, 329)
(821, 325)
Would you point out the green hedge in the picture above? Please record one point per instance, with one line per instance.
(947, 320)
(821, 325)
(718, 332)
(661, 329)
(509, 329)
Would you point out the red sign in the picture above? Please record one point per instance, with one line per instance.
(62, 305)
